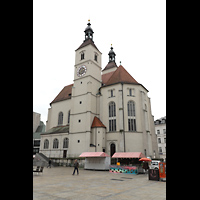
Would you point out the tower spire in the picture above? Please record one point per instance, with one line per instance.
(88, 32)
(111, 54)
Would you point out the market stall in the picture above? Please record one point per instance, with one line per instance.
(128, 162)
(96, 160)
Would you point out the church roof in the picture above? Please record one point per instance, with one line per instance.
(105, 77)
(87, 42)
(110, 65)
(64, 94)
(97, 123)
(121, 76)
(57, 129)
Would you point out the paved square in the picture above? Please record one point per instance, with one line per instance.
(58, 183)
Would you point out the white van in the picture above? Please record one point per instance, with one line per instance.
(155, 164)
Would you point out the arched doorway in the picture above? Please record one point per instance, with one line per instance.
(112, 149)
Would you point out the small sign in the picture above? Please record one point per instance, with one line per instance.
(154, 174)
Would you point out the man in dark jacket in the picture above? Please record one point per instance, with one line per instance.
(76, 165)
(49, 163)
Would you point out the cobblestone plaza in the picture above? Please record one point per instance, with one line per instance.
(58, 183)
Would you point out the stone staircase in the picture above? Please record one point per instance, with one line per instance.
(41, 160)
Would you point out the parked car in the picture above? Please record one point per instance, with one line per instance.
(155, 164)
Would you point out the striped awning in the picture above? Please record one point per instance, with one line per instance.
(94, 154)
(128, 155)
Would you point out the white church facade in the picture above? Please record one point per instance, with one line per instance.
(102, 110)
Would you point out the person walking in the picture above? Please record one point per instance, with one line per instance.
(76, 165)
(49, 163)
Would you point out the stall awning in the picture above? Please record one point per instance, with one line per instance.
(94, 154)
(128, 155)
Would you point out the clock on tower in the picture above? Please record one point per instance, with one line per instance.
(81, 71)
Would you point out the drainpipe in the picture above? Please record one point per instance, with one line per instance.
(123, 117)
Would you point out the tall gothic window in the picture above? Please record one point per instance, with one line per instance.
(46, 144)
(68, 121)
(112, 116)
(131, 116)
(55, 143)
(60, 118)
(65, 143)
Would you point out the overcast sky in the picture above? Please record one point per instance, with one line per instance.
(135, 28)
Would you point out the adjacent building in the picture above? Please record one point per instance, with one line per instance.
(160, 130)
(104, 109)
(38, 128)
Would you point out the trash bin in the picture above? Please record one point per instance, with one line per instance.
(154, 174)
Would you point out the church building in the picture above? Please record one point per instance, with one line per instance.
(104, 109)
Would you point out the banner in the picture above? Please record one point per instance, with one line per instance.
(162, 170)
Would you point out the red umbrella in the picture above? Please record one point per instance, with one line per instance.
(145, 159)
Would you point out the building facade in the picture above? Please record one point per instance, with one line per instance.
(160, 130)
(38, 128)
(102, 110)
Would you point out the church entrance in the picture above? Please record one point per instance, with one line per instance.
(112, 149)
(64, 153)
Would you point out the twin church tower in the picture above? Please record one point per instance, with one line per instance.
(102, 110)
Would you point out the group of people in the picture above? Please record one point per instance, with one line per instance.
(76, 165)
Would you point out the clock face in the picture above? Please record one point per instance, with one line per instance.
(81, 71)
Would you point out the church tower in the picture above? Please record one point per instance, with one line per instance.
(87, 81)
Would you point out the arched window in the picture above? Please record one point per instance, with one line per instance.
(60, 118)
(65, 143)
(55, 143)
(95, 57)
(46, 144)
(131, 116)
(112, 149)
(112, 116)
(82, 55)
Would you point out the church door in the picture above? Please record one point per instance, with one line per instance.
(112, 149)
(64, 153)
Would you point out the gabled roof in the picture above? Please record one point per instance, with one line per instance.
(121, 76)
(64, 94)
(97, 123)
(110, 65)
(87, 42)
(94, 154)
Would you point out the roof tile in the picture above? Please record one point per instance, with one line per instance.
(97, 123)
(121, 76)
(87, 42)
(64, 94)
(110, 65)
